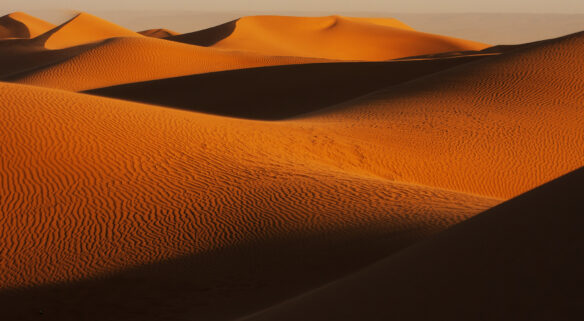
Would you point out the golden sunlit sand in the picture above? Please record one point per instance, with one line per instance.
(333, 37)
(256, 169)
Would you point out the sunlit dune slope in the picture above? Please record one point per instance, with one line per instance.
(97, 185)
(499, 126)
(332, 37)
(521, 260)
(277, 92)
(82, 29)
(22, 25)
(158, 33)
(126, 60)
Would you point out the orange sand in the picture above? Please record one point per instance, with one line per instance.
(83, 28)
(158, 33)
(278, 92)
(332, 37)
(22, 25)
(130, 59)
(116, 210)
(497, 127)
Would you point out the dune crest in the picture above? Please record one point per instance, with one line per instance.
(499, 126)
(158, 165)
(132, 59)
(158, 33)
(82, 29)
(22, 25)
(332, 37)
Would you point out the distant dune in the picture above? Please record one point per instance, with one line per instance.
(83, 28)
(22, 25)
(158, 33)
(495, 266)
(310, 148)
(332, 37)
(130, 59)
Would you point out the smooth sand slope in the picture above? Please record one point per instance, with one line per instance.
(277, 92)
(82, 29)
(521, 260)
(131, 59)
(22, 25)
(158, 33)
(21, 56)
(499, 126)
(97, 186)
(332, 37)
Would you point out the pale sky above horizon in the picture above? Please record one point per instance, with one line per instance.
(415, 6)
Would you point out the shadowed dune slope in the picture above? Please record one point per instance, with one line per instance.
(277, 92)
(18, 56)
(521, 260)
(158, 33)
(131, 59)
(158, 183)
(82, 29)
(332, 37)
(22, 25)
(499, 126)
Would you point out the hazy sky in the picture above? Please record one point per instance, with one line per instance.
(419, 6)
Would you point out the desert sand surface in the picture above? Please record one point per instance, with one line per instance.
(278, 92)
(158, 33)
(81, 29)
(529, 103)
(495, 266)
(153, 179)
(158, 184)
(332, 37)
(22, 25)
(491, 28)
(122, 60)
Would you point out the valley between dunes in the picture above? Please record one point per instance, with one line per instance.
(255, 169)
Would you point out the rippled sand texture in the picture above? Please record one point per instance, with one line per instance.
(316, 156)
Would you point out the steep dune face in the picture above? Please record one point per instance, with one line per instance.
(82, 29)
(98, 185)
(18, 56)
(158, 33)
(520, 260)
(126, 60)
(22, 25)
(496, 127)
(331, 37)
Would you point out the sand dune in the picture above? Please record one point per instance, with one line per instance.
(499, 126)
(22, 25)
(131, 59)
(158, 33)
(118, 210)
(200, 182)
(332, 37)
(82, 29)
(520, 260)
(277, 92)
(18, 56)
